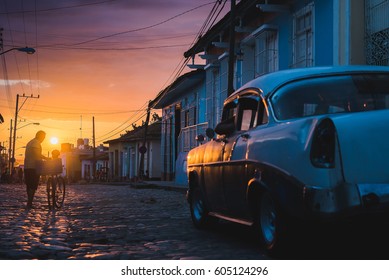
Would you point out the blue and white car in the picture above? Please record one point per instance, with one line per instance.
(296, 145)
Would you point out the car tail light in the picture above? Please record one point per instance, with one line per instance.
(323, 145)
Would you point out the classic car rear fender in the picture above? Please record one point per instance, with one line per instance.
(288, 147)
(255, 189)
(286, 190)
(193, 182)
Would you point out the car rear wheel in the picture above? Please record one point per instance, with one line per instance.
(198, 210)
(271, 223)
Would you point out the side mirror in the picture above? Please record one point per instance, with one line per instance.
(210, 133)
(200, 138)
(226, 127)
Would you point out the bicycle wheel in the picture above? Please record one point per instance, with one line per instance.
(50, 194)
(59, 193)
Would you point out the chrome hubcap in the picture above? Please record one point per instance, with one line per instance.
(198, 209)
(268, 218)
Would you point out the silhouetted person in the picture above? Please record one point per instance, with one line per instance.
(14, 176)
(55, 154)
(31, 160)
(20, 175)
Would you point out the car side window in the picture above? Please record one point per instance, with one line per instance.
(331, 95)
(247, 112)
(230, 111)
(263, 117)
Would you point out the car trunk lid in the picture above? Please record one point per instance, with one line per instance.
(364, 146)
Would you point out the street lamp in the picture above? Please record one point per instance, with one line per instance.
(34, 123)
(26, 50)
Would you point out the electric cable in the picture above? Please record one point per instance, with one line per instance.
(58, 8)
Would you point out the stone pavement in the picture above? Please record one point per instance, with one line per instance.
(114, 222)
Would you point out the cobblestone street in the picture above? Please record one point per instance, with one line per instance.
(113, 222)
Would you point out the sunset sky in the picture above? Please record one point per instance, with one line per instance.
(105, 59)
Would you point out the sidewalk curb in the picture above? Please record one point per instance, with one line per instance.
(148, 185)
(145, 185)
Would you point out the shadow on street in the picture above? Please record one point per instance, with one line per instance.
(366, 239)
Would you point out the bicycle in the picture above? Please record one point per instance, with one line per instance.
(55, 191)
(55, 184)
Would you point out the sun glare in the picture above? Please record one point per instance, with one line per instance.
(54, 140)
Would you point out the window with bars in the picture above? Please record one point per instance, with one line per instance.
(377, 32)
(266, 52)
(213, 97)
(303, 37)
(189, 117)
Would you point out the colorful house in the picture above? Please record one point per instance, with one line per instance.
(182, 120)
(125, 154)
(268, 36)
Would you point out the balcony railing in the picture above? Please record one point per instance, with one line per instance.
(187, 138)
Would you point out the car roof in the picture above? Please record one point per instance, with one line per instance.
(270, 82)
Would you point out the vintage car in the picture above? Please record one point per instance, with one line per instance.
(294, 146)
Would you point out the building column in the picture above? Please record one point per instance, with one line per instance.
(341, 32)
(349, 32)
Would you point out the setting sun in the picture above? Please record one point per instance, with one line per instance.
(54, 140)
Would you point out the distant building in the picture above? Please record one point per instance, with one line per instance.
(78, 161)
(125, 154)
(101, 159)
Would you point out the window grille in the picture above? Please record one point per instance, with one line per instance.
(266, 53)
(303, 37)
(377, 32)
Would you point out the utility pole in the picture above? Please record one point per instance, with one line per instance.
(94, 151)
(143, 149)
(17, 109)
(1, 39)
(81, 127)
(14, 137)
(10, 148)
(231, 56)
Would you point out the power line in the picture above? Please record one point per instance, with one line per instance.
(15, 56)
(113, 133)
(73, 46)
(212, 16)
(107, 138)
(111, 49)
(77, 111)
(142, 37)
(36, 43)
(58, 8)
(141, 28)
(139, 114)
(25, 43)
(180, 67)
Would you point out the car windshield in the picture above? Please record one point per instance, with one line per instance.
(330, 95)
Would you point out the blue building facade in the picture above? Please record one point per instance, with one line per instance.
(182, 104)
(270, 36)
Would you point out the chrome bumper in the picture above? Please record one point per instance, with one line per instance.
(346, 199)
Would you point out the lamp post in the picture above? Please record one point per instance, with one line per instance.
(25, 49)
(34, 123)
(28, 51)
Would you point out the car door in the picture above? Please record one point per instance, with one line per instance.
(213, 160)
(212, 175)
(235, 177)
